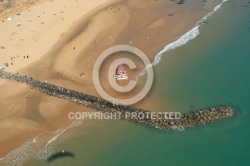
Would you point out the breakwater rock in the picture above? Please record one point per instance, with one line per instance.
(179, 1)
(161, 121)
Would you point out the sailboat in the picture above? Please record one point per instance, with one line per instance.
(120, 74)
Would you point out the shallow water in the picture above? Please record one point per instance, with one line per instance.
(213, 69)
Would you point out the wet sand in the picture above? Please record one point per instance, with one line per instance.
(57, 53)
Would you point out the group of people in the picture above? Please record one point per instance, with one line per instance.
(6, 64)
(81, 74)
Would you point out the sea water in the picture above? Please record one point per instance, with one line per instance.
(210, 70)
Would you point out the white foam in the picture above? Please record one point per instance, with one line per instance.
(211, 13)
(34, 148)
(55, 138)
(181, 41)
(60, 131)
(193, 33)
(26, 151)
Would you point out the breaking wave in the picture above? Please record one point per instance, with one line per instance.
(193, 33)
(211, 13)
(39, 147)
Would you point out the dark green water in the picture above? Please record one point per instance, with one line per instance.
(211, 70)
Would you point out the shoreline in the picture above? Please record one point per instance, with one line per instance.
(16, 7)
(120, 33)
(184, 121)
(44, 121)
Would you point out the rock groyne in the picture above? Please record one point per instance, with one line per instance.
(184, 121)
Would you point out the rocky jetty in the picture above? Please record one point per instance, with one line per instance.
(162, 122)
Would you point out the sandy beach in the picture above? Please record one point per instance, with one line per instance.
(54, 41)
